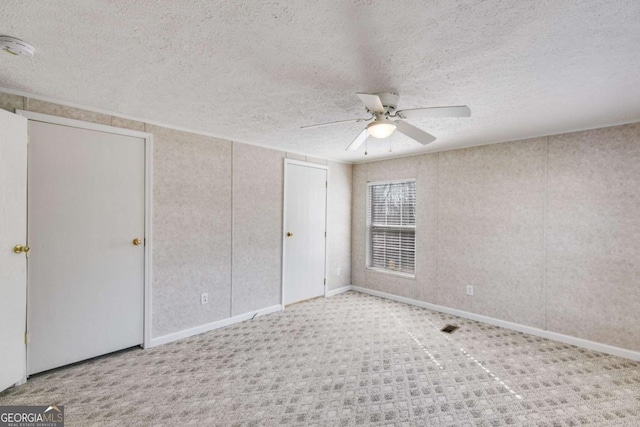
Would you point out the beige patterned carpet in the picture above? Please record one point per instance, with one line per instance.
(352, 359)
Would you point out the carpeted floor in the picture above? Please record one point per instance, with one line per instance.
(352, 359)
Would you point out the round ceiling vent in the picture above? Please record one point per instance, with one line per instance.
(16, 46)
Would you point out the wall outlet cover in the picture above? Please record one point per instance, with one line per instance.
(204, 298)
(469, 290)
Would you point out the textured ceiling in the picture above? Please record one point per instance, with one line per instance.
(255, 71)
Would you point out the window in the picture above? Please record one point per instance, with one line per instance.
(391, 220)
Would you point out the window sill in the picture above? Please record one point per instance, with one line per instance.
(392, 273)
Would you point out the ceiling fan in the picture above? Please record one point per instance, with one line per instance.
(382, 109)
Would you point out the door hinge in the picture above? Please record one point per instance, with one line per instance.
(325, 234)
(26, 338)
(326, 184)
(325, 281)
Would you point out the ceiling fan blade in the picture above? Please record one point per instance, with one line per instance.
(422, 113)
(372, 102)
(411, 131)
(356, 143)
(336, 123)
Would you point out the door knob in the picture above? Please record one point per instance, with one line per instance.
(137, 241)
(19, 249)
(289, 234)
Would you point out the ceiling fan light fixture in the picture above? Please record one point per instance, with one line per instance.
(381, 128)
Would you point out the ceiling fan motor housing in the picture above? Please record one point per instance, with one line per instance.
(389, 101)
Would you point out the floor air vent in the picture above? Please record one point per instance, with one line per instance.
(449, 329)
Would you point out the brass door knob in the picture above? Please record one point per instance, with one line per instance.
(19, 249)
(137, 241)
(289, 234)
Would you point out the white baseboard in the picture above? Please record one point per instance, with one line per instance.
(214, 325)
(337, 291)
(567, 339)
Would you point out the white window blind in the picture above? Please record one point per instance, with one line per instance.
(391, 217)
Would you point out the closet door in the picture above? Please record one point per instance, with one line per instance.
(13, 243)
(86, 208)
(305, 218)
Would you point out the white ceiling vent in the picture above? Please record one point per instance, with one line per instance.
(16, 46)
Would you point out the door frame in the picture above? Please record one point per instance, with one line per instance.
(148, 199)
(284, 219)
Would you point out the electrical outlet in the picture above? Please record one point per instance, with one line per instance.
(204, 298)
(469, 290)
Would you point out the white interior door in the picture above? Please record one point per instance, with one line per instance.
(13, 231)
(305, 213)
(85, 274)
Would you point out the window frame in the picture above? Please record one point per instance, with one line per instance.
(368, 257)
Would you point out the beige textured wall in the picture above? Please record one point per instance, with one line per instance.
(546, 230)
(258, 176)
(217, 221)
(490, 230)
(593, 235)
(339, 226)
(191, 229)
